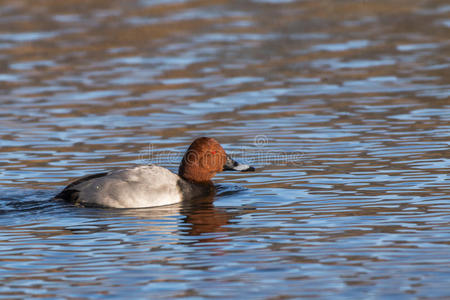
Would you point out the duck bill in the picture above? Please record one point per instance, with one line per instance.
(232, 165)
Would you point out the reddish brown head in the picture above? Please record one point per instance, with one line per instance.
(204, 158)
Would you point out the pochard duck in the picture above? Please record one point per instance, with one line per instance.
(152, 185)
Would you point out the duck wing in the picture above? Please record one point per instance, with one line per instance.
(70, 193)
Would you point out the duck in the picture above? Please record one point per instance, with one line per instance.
(152, 185)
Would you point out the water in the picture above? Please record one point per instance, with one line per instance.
(341, 105)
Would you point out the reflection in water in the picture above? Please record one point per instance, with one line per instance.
(342, 106)
(204, 218)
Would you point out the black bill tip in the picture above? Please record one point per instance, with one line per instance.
(232, 165)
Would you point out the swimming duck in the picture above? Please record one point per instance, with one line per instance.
(152, 185)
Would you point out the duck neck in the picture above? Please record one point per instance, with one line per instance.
(191, 189)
